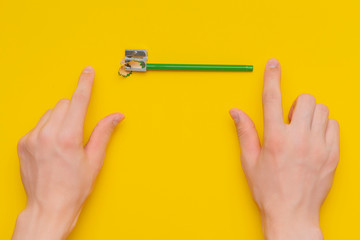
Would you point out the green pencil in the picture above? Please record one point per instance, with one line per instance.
(199, 67)
(136, 60)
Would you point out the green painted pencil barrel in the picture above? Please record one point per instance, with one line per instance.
(199, 67)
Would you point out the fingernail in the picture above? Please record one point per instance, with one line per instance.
(88, 69)
(273, 63)
(117, 119)
(235, 116)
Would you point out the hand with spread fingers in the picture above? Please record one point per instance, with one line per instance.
(292, 172)
(57, 171)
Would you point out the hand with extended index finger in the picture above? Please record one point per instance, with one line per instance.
(291, 174)
(57, 171)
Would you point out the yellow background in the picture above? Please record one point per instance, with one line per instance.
(172, 169)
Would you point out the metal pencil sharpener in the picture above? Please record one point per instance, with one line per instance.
(135, 55)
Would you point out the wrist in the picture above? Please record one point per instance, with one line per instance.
(36, 223)
(291, 226)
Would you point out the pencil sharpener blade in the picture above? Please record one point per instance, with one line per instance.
(137, 55)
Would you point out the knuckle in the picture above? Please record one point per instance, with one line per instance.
(31, 140)
(307, 98)
(67, 140)
(21, 143)
(79, 95)
(320, 153)
(273, 148)
(271, 96)
(274, 144)
(333, 163)
(64, 101)
(45, 135)
(334, 159)
(242, 130)
(335, 123)
(323, 108)
(301, 143)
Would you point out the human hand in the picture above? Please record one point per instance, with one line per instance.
(57, 171)
(292, 172)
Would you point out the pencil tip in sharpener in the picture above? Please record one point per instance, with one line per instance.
(135, 60)
(136, 55)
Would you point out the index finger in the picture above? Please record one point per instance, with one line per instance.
(75, 118)
(272, 106)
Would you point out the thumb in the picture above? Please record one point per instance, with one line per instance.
(248, 137)
(96, 146)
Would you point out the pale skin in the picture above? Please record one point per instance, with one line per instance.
(289, 176)
(58, 172)
(291, 173)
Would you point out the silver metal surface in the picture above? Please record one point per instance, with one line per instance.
(138, 55)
